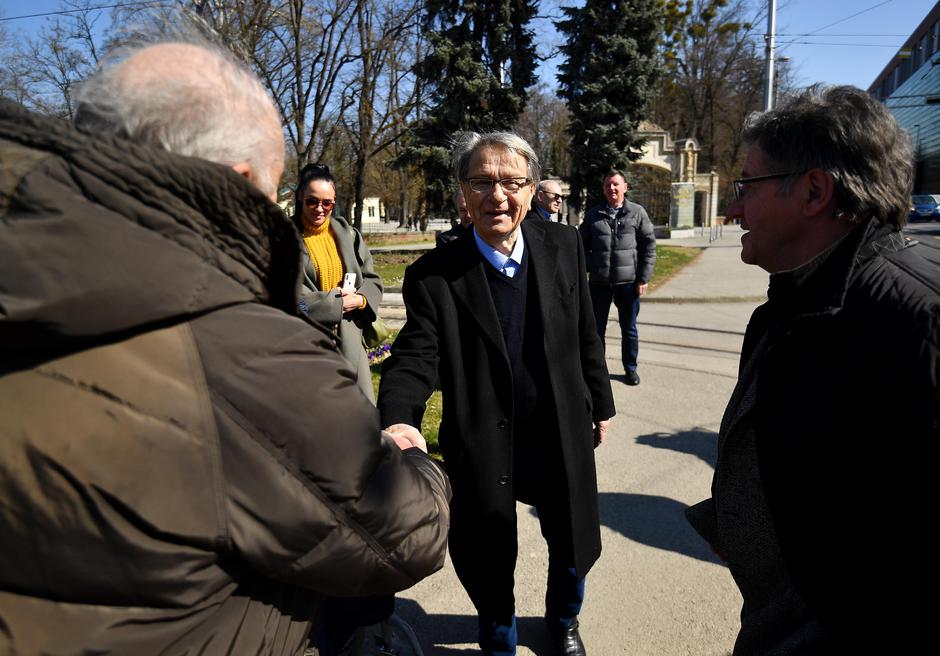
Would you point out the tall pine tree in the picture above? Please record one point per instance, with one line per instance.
(481, 61)
(608, 76)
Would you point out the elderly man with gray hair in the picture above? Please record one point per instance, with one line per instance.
(822, 486)
(503, 316)
(547, 202)
(186, 465)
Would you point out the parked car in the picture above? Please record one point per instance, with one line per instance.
(925, 207)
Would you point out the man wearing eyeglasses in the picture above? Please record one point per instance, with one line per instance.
(503, 315)
(620, 248)
(821, 486)
(548, 201)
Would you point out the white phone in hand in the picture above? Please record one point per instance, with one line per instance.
(349, 282)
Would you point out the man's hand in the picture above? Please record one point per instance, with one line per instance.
(406, 436)
(641, 288)
(351, 301)
(600, 431)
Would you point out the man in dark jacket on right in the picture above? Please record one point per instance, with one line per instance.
(823, 484)
(620, 250)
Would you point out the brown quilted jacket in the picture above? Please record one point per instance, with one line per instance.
(185, 466)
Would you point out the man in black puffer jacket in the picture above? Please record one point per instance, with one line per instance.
(620, 249)
(824, 480)
(186, 465)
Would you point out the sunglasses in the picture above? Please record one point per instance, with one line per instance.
(553, 196)
(326, 203)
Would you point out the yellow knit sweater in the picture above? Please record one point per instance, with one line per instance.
(326, 260)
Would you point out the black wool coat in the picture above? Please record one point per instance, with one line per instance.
(453, 331)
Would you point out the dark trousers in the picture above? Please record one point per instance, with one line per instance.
(627, 301)
(489, 580)
(343, 615)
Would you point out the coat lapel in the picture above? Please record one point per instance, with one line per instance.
(472, 289)
(543, 258)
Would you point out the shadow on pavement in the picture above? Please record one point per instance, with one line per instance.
(654, 521)
(698, 442)
(436, 633)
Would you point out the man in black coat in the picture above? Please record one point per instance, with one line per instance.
(503, 315)
(822, 487)
(463, 221)
(547, 202)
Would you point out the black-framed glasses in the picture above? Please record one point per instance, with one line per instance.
(737, 186)
(508, 185)
(313, 202)
(552, 196)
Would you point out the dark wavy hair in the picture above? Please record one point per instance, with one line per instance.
(308, 174)
(848, 134)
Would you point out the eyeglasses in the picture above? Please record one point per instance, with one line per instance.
(313, 202)
(737, 186)
(553, 196)
(508, 185)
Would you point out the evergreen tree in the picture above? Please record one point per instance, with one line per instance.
(481, 61)
(608, 76)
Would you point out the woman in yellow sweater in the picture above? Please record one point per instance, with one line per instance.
(333, 248)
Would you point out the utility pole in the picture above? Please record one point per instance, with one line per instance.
(770, 51)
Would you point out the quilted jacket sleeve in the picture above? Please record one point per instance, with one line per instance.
(314, 494)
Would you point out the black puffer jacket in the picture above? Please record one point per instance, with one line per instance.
(185, 466)
(618, 249)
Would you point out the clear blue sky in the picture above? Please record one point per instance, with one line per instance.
(850, 40)
(867, 34)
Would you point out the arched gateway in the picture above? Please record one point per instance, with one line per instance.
(665, 181)
(693, 195)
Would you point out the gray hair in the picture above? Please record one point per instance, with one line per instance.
(467, 143)
(541, 185)
(220, 112)
(848, 134)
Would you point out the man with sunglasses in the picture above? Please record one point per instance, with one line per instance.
(503, 316)
(548, 201)
(821, 486)
(463, 221)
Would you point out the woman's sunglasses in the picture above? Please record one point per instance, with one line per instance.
(313, 202)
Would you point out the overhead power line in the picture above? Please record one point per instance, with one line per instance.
(858, 13)
(824, 43)
(63, 12)
(814, 34)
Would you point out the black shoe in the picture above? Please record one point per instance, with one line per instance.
(631, 378)
(567, 640)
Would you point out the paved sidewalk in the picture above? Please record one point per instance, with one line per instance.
(718, 274)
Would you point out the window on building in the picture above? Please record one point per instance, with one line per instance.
(371, 212)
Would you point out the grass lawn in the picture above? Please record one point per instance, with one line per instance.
(669, 260)
(391, 266)
(399, 238)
